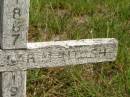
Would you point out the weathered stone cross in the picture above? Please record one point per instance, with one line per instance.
(17, 55)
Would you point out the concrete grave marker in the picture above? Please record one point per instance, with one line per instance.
(17, 55)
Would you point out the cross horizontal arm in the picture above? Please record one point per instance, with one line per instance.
(59, 53)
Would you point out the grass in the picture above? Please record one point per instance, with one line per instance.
(81, 19)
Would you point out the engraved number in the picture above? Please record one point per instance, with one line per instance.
(16, 37)
(16, 13)
(14, 91)
(16, 27)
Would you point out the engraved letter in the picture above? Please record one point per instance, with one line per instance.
(11, 60)
(30, 58)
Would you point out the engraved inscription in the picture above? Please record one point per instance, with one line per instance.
(16, 25)
(16, 37)
(46, 57)
(14, 88)
(103, 52)
(14, 91)
(31, 58)
(57, 56)
(11, 60)
(16, 13)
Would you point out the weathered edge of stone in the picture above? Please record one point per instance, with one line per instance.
(59, 53)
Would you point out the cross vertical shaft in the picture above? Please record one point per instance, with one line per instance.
(14, 20)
